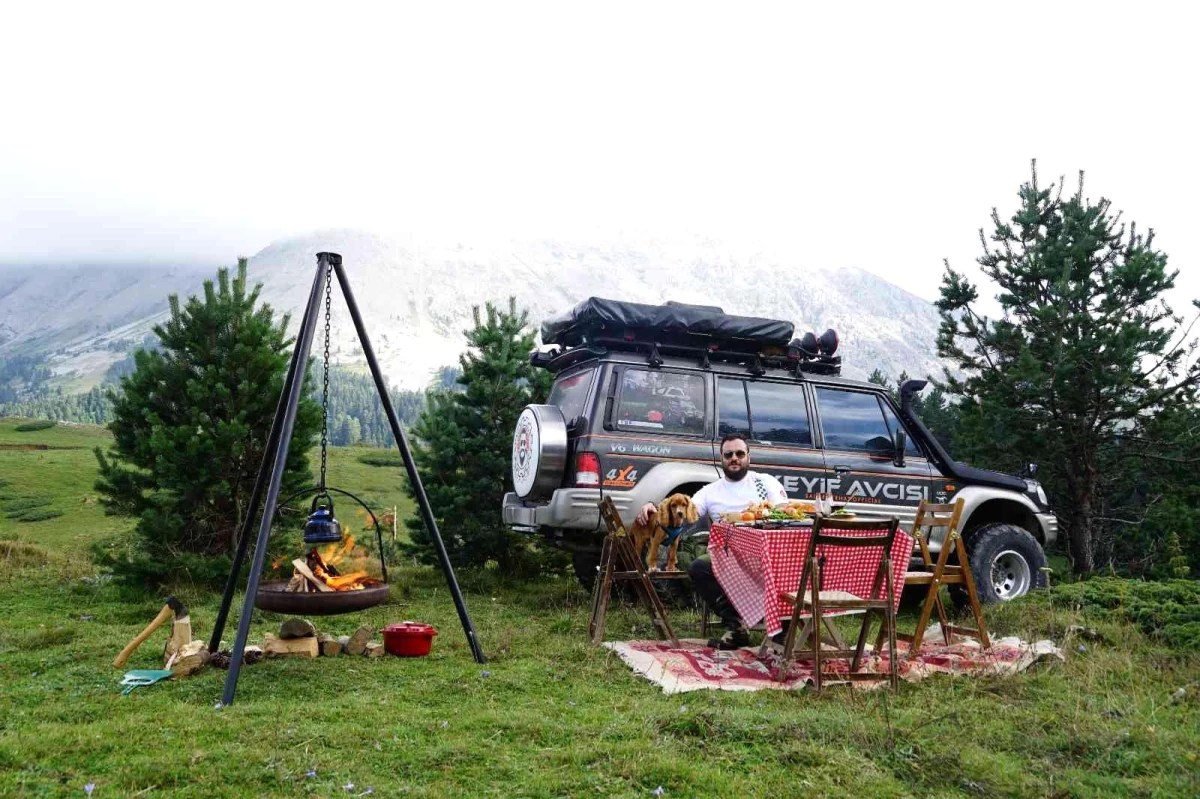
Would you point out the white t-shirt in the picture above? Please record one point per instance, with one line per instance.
(726, 496)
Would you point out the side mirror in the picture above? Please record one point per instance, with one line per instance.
(899, 444)
(1032, 468)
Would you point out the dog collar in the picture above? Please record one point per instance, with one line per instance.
(673, 533)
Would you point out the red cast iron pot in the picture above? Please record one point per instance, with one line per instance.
(408, 639)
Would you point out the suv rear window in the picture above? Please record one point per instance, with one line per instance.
(666, 402)
(570, 393)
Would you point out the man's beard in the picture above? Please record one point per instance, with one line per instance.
(733, 477)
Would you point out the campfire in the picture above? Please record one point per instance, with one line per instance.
(318, 570)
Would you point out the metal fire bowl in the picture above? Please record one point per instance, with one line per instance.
(272, 596)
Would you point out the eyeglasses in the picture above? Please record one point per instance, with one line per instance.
(731, 454)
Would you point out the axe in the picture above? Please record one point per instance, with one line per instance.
(173, 608)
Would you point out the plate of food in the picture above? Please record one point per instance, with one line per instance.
(786, 513)
(842, 513)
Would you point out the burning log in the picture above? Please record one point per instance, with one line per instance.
(319, 566)
(302, 568)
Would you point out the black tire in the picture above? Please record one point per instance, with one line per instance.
(1002, 545)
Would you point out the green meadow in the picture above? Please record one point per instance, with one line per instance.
(549, 714)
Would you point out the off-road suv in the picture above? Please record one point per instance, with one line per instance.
(644, 393)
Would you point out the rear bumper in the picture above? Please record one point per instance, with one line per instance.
(569, 508)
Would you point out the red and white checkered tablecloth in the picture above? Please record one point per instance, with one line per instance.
(754, 565)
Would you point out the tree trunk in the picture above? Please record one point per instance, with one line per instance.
(1080, 544)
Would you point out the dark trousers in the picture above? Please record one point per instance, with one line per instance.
(706, 585)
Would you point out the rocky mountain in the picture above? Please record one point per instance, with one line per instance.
(83, 318)
(417, 298)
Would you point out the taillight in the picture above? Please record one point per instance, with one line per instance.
(587, 470)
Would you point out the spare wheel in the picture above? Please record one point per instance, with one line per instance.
(539, 451)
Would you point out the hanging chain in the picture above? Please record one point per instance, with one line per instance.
(325, 376)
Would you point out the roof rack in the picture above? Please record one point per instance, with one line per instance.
(596, 326)
(757, 360)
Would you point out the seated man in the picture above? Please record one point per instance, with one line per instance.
(735, 491)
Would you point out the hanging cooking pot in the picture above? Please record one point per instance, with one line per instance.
(321, 527)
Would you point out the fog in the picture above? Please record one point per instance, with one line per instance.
(873, 136)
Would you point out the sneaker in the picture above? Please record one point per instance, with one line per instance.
(733, 639)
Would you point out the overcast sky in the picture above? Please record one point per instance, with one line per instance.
(873, 136)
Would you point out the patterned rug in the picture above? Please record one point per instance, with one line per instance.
(693, 666)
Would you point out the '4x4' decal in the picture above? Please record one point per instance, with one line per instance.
(625, 477)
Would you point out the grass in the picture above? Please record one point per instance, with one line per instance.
(549, 715)
(64, 475)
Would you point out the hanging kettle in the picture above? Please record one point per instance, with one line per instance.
(321, 527)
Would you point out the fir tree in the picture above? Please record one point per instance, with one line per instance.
(190, 425)
(464, 443)
(1086, 346)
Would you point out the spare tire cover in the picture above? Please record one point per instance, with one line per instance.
(539, 451)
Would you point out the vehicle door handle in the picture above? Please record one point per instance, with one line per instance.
(842, 468)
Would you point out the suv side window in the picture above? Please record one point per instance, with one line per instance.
(570, 393)
(893, 422)
(853, 421)
(664, 402)
(731, 403)
(774, 413)
(778, 413)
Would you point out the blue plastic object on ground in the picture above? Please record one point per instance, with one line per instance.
(143, 677)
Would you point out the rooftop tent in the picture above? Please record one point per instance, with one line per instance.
(596, 316)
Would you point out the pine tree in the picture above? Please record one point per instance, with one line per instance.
(464, 443)
(1177, 565)
(1154, 493)
(1085, 347)
(190, 425)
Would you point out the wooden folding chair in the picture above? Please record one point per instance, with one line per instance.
(810, 598)
(619, 562)
(939, 573)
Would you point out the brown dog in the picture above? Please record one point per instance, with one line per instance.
(674, 512)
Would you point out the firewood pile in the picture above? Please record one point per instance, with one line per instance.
(299, 638)
(296, 638)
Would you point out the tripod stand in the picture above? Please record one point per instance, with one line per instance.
(270, 475)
